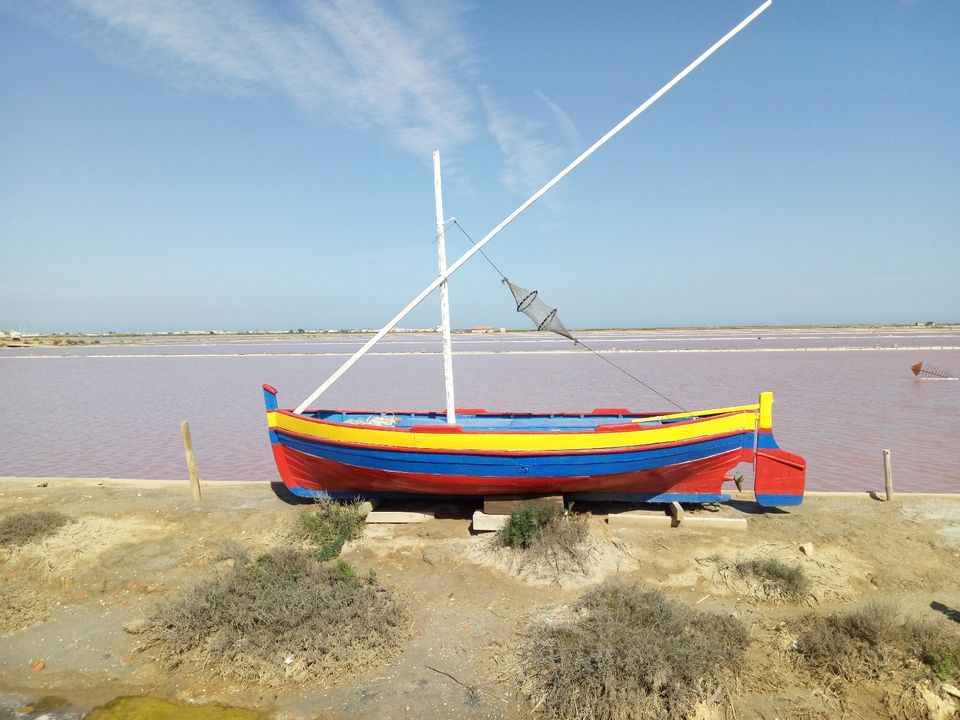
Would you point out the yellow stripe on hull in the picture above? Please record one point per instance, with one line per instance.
(519, 441)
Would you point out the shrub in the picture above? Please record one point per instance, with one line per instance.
(525, 523)
(21, 606)
(23, 527)
(862, 642)
(549, 542)
(945, 663)
(329, 526)
(282, 617)
(777, 577)
(629, 653)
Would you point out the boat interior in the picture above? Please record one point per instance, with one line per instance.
(480, 420)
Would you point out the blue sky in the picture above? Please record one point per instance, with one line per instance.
(241, 164)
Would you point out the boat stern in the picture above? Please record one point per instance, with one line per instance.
(779, 476)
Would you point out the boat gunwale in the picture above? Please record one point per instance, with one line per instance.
(615, 428)
(516, 453)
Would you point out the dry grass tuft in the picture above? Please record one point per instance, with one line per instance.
(921, 701)
(284, 617)
(776, 577)
(20, 607)
(629, 654)
(764, 577)
(25, 527)
(863, 643)
(76, 546)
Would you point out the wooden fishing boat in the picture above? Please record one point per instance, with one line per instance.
(608, 453)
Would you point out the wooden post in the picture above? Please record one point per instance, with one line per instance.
(191, 463)
(888, 475)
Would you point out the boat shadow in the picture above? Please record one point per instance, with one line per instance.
(949, 612)
(283, 493)
(752, 507)
(463, 508)
(440, 508)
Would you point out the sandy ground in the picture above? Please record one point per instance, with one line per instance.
(134, 542)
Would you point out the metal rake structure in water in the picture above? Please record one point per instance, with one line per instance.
(924, 371)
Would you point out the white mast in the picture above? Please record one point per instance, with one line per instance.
(444, 293)
(442, 278)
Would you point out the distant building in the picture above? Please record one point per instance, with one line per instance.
(482, 329)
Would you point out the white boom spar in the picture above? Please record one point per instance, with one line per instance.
(442, 278)
(444, 294)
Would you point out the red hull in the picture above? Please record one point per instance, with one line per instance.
(699, 477)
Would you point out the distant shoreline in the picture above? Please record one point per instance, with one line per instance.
(195, 336)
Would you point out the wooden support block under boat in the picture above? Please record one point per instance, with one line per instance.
(396, 517)
(367, 507)
(506, 504)
(640, 519)
(714, 523)
(655, 520)
(482, 522)
(676, 510)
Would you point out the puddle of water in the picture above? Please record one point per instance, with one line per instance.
(153, 708)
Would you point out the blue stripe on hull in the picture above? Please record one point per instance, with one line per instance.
(778, 500)
(653, 498)
(649, 497)
(766, 441)
(541, 466)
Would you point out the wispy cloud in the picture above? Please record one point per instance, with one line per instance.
(529, 160)
(355, 62)
(405, 69)
(574, 140)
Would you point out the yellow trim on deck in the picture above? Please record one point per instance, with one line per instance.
(698, 413)
(738, 421)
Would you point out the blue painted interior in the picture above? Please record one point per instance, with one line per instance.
(506, 421)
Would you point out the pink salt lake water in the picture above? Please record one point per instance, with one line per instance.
(841, 395)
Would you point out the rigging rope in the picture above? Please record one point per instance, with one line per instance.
(608, 360)
(575, 340)
(485, 256)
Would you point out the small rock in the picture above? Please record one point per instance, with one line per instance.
(432, 556)
(136, 627)
(807, 549)
(43, 484)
